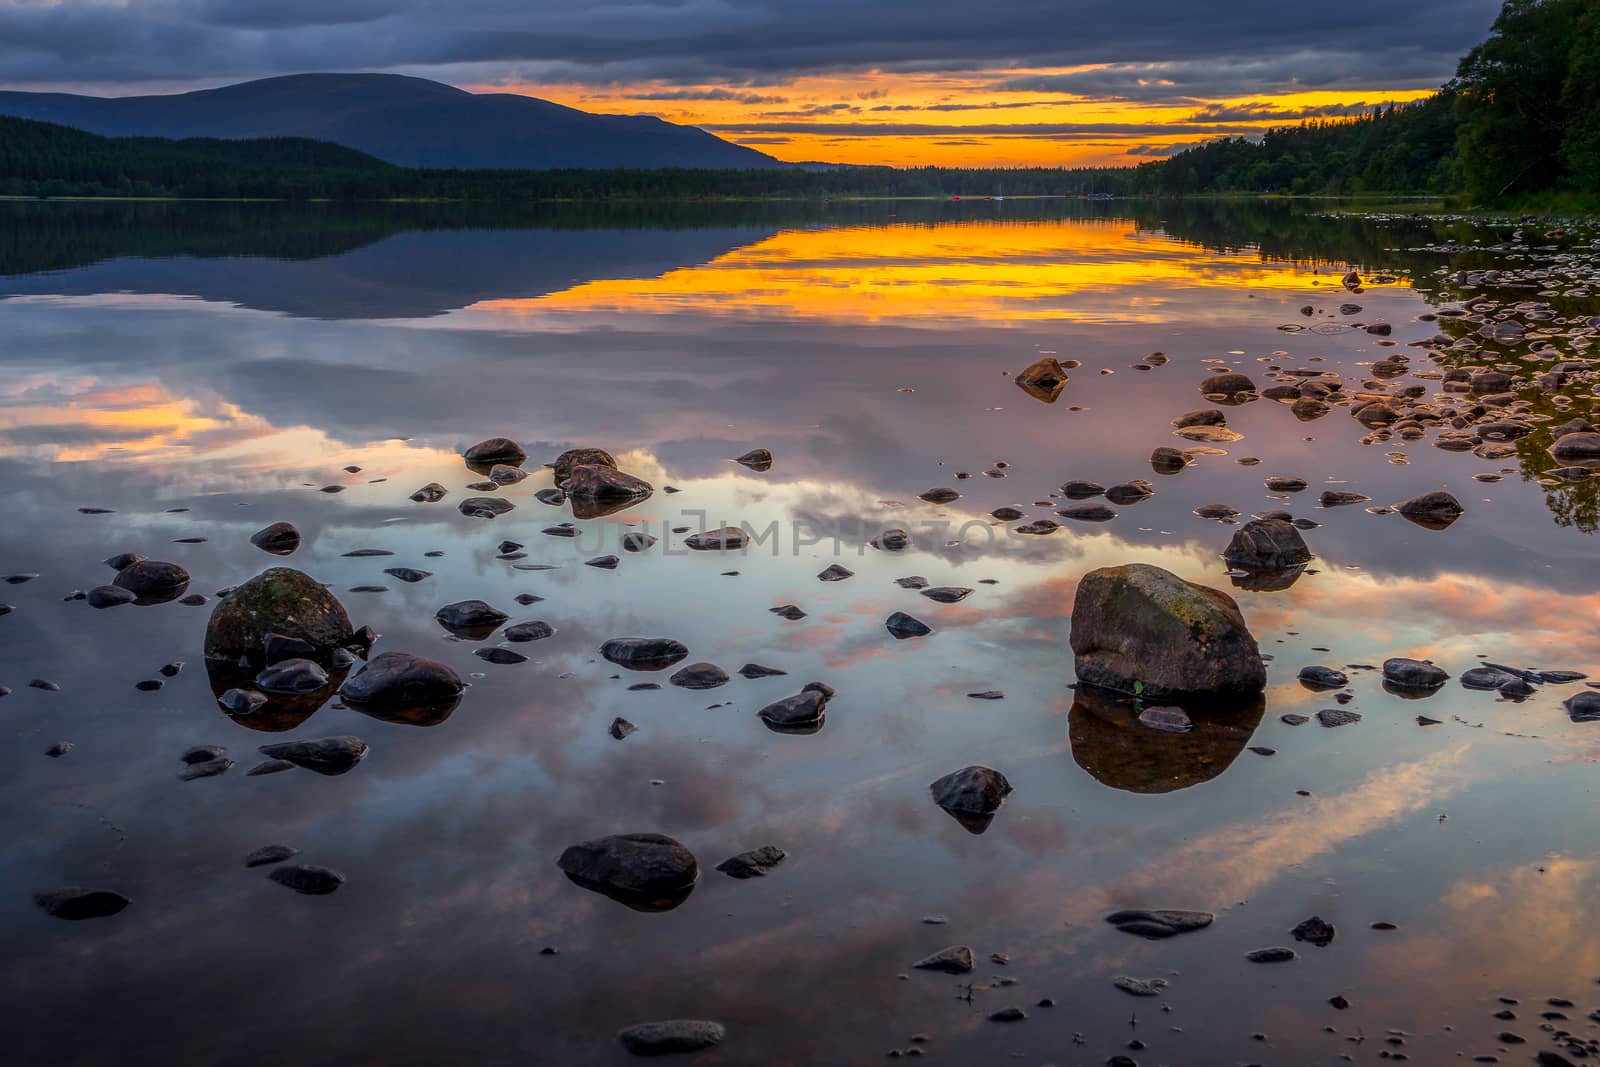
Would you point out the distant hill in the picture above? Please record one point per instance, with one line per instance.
(411, 122)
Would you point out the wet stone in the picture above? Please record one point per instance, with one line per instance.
(396, 681)
(109, 596)
(205, 769)
(1276, 954)
(902, 626)
(75, 903)
(638, 865)
(800, 713)
(292, 676)
(699, 676)
(1315, 931)
(835, 572)
(1159, 923)
(753, 864)
(532, 630)
(280, 539)
(621, 728)
(59, 749)
(1332, 717)
(957, 959)
(945, 594)
(1140, 987)
(1413, 673)
(643, 653)
(501, 656)
(1318, 677)
(756, 670)
(673, 1036)
(325, 755)
(268, 854)
(308, 879)
(271, 766)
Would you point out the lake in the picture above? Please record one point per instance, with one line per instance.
(178, 377)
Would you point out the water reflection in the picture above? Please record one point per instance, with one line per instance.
(871, 356)
(1110, 742)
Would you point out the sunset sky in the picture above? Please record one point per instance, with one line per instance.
(904, 82)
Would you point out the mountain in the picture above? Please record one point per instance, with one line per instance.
(412, 122)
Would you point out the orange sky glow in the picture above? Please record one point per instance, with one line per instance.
(947, 119)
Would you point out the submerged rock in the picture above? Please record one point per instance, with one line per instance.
(1315, 931)
(308, 878)
(1138, 628)
(1583, 706)
(957, 959)
(267, 854)
(325, 755)
(472, 619)
(280, 539)
(757, 459)
(644, 653)
(672, 1036)
(74, 902)
(1433, 511)
(1043, 379)
(1413, 673)
(835, 572)
(1140, 987)
(753, 864)
(902, 626)
(804, 712)
(1317, 677)
(621, 728)
(649, 872)
(153, 581)
(1267, 545)
(699, 676)
(399, 680)
(726, 539)
(1160, 923)
(109, 596)
(971, 796)
(495, 450)
(1276, 954)
(595, 490)
(485, 507)
(431, 493)
(756, 670)
(292, 676)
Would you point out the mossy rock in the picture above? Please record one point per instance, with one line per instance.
(280, 600)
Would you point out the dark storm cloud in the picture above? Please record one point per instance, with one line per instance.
(1200, 51)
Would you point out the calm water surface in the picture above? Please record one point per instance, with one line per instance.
(204, 371)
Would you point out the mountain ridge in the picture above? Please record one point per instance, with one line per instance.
(407, 121)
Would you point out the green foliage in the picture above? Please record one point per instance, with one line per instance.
(1509, 96)
(1401, 148)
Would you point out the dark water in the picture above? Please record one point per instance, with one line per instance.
(230, 361)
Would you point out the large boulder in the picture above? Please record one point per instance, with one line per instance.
(1140, 629)
(281, 601)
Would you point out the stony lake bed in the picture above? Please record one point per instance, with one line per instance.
(993, 632)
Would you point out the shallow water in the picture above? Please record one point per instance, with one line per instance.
(231, 361)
